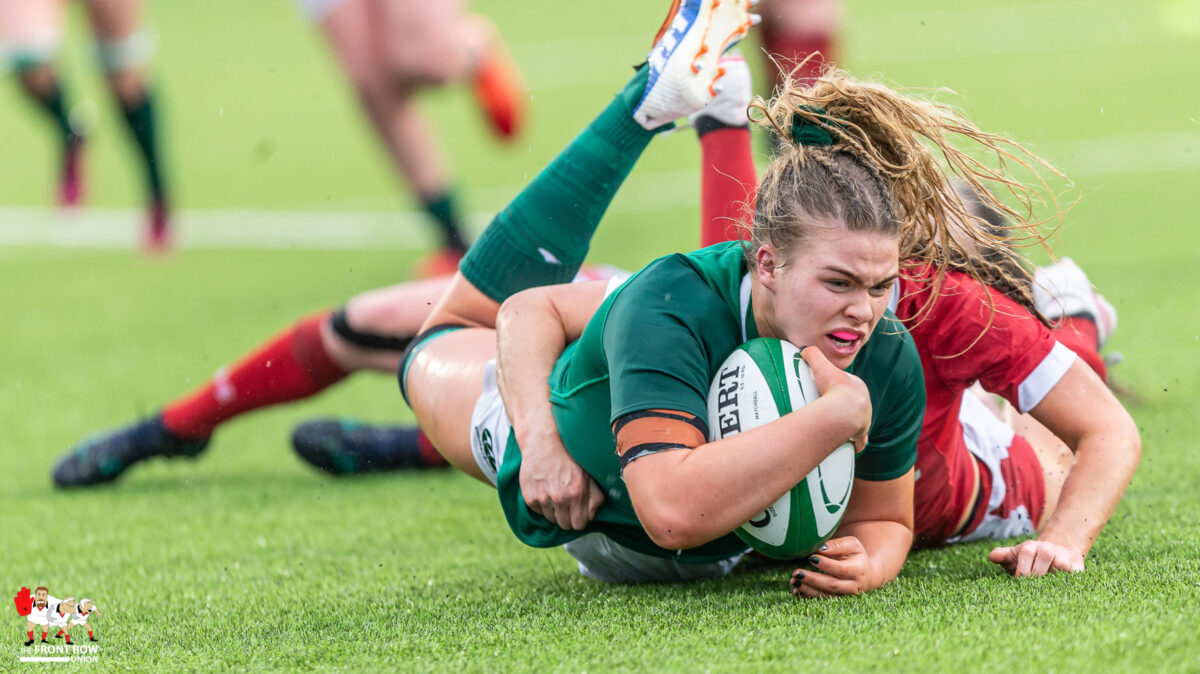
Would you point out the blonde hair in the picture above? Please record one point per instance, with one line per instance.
(888, 170)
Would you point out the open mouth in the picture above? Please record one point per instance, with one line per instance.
(844, 341)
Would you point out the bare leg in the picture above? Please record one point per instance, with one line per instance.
(355, 33)
(115, 22)
(123, 53)
(397, 311)
(433, 43)
(450, 375)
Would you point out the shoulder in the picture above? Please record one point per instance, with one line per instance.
(674, 285)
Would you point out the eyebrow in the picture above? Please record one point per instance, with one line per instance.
(857, 279)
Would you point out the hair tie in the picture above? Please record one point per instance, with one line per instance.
(809, 132)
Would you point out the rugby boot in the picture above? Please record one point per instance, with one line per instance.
(728, 107)
(102, 458)
(348, 447)
(440, 263)
(1063, 290)
(157, 237)
(684, 61)
(498, 88)
(70, 178)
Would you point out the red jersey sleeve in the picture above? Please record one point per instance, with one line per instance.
(974, 333)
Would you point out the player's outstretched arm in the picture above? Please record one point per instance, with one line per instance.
(1084, 414)
(868, 548)
(532, 329)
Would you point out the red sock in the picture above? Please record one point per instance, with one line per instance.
(291, 366)
(1079, 335)
(429, 453)
(90, 635)
(727, 183)
(31, 635)
(59, 633)
(68, 638)
(790, 50)
(43, 636)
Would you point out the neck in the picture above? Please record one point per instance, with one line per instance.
(762, 303)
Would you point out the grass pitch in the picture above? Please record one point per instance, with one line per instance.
(247, 560)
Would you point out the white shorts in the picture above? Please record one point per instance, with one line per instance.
(60, 623)
(602, 558)
(990, 439)
(38, 620)
(599, 557)
(78, 621)
(489, 425)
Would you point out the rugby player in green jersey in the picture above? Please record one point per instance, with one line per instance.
(626, 370)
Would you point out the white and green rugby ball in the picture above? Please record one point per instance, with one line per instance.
(761, 381)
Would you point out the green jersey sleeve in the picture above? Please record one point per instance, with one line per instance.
(892, 371)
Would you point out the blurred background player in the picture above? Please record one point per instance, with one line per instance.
(30, 36)
(792, 30)
(391, 49)
(795, 33)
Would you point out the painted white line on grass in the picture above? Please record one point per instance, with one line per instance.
(349, 230)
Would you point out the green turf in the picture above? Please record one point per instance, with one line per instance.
(245, 559)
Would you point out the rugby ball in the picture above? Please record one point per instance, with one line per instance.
(761, 381)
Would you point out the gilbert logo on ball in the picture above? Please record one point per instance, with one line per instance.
(761, 381)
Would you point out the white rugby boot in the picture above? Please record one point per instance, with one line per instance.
(733, 93)
(1063, 290)
(683, 61)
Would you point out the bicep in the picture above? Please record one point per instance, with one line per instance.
(1080, 404)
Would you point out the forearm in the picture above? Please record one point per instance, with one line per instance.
(1104, 465)
(687, 498)
(530, 338)
(887, 544)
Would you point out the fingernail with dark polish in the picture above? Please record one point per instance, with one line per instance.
(813, 560)
(823, 548)
(798, 576)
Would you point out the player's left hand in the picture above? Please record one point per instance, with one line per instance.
(840, 567)
(555, 486)
(1036, 558)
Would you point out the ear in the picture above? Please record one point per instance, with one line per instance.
(766, 262)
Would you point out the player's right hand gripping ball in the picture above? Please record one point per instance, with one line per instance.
(24, 602)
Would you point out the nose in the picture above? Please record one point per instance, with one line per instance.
(859, 308)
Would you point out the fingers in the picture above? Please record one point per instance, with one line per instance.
(1005, 557)
(820, 365)
(595, 498)
(817, 585)
(841, 547)
(571, 507)
(1036, 558)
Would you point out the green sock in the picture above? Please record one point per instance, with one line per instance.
(139, 117)
(444, 211)
(52, 103)
(542, 237)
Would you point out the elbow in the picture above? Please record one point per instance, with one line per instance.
(672, 529)
(512, 307)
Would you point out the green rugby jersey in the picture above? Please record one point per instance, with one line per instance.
(656, 343)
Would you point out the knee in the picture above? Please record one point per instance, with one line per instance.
(417, 61)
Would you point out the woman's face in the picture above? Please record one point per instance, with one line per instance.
(831, 294)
